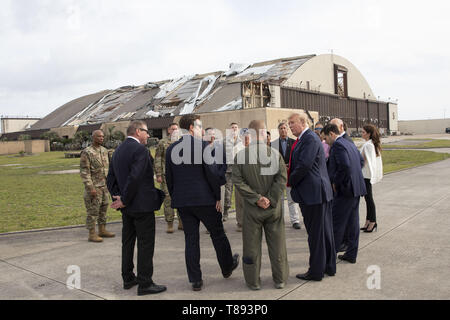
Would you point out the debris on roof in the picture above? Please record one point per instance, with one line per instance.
(236, 68)
(212, 92)
(152, 114)
(197, 96)
(233, 105)
(166, 88)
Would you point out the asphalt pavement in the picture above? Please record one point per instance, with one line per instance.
(406, 258)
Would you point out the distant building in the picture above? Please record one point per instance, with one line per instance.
(324, 86)
(429, 126)
(15, 124)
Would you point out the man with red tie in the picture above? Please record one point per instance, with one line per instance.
(311, 188)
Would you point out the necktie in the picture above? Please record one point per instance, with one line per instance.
(290, 159)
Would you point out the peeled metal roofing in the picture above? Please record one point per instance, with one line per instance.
(200, 93)
(221, 97)
(275, 71)
(103, 110)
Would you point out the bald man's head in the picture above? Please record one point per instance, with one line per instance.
(339, 123)
(97, 138)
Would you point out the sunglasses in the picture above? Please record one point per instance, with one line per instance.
(142, 129)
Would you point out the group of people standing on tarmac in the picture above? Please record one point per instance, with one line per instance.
(197, 172)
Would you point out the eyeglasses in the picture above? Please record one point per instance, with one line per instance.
(318, 129)
(142, 129)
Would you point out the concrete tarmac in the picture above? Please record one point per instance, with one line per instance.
(407, 258)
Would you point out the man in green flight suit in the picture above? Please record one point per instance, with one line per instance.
(160, 170)
(94, 165)
(259, 175)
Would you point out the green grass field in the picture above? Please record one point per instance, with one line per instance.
(394, 160)
(437, 143)
(29, 200)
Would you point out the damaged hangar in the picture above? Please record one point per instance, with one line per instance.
(325, 86)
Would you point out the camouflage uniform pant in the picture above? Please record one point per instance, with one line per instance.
(169, 212)
(96, 207)
(228, 191)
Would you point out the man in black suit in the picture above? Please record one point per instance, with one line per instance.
(194, 181)
(345, 171)
(284, 145)
(130, 182)
(308, 177)
(341, 127)
(343, 133)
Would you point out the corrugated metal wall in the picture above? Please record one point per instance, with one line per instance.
(354, 112)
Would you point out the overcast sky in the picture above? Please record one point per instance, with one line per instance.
(53, 51)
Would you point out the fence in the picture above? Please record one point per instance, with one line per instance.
(354, 112)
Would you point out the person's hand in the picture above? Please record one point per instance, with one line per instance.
(93, 193)
(159, 179)
(263, 203)
(218, 206)
(334, 188)
(117, 204)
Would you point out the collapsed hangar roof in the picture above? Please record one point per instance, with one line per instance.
(216, 91)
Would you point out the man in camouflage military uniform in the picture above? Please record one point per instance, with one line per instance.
(233, 142)
(160, 169)
(94, 164)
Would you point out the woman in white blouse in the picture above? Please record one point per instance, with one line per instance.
(372, 171)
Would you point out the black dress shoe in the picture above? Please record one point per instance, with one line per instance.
(234, 266)
(130, 284)
(296, 226)
(343, 248)
(197, 286)
(308, 277)
(151, 289)
(330, 274)
(343, 257)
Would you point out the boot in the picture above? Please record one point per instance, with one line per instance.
(93, 237)
(180, 224)
(225, 215)
(103, 233)
(170, 227)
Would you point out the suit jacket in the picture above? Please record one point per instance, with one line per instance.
(277, 146)
(131, 177)
(191, 181)
(308, 173)
(348, 138)
(345, 169)
(218, 152)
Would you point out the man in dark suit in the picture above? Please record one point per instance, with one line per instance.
(194, 181)
(308, 177)
(345, 171)
(130, 182)
(343, 133)
(342, 129)
(284, 145)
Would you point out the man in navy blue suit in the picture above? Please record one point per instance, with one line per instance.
(194, 181)
(342, 132)
(308, 178)
(130, 182)
(345, 170)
